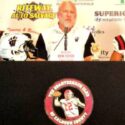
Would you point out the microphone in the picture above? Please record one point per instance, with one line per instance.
(65, 38)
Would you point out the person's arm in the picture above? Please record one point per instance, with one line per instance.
(88, 58)
(87, 53)
(118, 48)
(80, 104)
(41, 53)
(40, 59)
(116, 56)
(57, 102)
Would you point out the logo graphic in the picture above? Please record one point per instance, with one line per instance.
(12, 41)
(33, 11)
(68, 101)
(122, 1)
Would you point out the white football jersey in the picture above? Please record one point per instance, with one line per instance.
(70, 107)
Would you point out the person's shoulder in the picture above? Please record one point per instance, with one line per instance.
(119, 43)
(62, 100)
(75, 98)
(120, 36)
(82, 30)
(50, 31)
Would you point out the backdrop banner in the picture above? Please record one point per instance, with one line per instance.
(105, 19)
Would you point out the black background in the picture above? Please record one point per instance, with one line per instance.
(23, 86)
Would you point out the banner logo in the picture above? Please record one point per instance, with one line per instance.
(122, 1)
(33, 11)
(12, 41)
(68, 102)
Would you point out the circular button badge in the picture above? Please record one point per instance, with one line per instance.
(68, 102)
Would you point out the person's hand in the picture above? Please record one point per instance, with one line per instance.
(40, 59)
(116, 56)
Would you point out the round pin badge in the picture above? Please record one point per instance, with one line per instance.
(68, 102)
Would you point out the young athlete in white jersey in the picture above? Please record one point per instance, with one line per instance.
(69, 104)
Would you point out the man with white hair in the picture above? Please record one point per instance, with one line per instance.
(65, 42)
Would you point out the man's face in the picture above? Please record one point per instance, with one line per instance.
(67, 15)
(68, 96)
